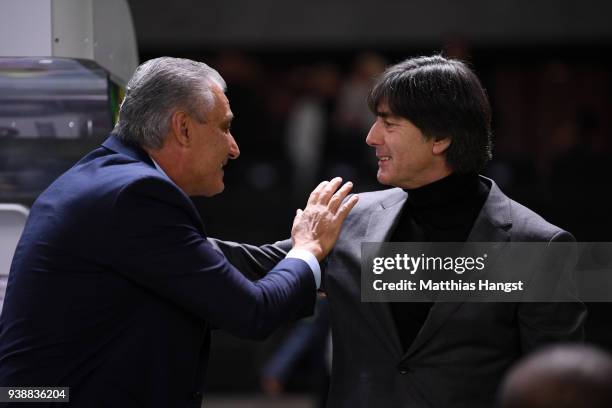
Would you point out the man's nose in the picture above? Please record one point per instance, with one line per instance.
(234, 151)
(373, 138)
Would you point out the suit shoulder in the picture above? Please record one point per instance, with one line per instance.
(527, 225)
(117, 171)
(148, 186)
(368, 202)
(371, 199)
(99, 179)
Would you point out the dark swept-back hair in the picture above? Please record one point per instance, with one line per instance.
(443, 98)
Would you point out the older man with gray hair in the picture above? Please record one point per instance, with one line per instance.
(114, 286)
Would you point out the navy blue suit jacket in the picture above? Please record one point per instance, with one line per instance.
(114, 288)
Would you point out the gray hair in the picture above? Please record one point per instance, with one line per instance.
(158, 88)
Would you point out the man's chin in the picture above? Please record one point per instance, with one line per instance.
(209, 192)
(219, 190)
(382, 179)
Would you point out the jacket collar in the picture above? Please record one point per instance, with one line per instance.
(495, 211)
(114, 143)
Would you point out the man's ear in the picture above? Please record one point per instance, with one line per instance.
(440, 146)
(180, 127)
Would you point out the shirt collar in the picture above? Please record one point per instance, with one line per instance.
(160, 169)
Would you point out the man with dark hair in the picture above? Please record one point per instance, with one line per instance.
(114, 286)
(432, 136)
(444, 99)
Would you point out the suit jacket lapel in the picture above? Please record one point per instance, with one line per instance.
(491, 225)
(380, 226)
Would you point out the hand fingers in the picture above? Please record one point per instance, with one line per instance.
(339, 196)
(346, 208)
(314, 196)
(297, 217)
(329, 189)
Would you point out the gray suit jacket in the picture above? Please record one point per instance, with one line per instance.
(463, 349)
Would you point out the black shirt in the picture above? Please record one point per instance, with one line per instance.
(443, 211)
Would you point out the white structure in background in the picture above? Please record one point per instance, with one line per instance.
(63, 64)
(12, 221)
(97, 30)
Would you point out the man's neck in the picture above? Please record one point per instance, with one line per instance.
(168, 164)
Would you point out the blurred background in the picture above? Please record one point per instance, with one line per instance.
(298, 74)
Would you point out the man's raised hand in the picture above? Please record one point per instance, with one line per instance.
(316, 228)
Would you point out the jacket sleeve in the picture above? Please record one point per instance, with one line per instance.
(161, 247)
(546, 322)
(253, 261)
